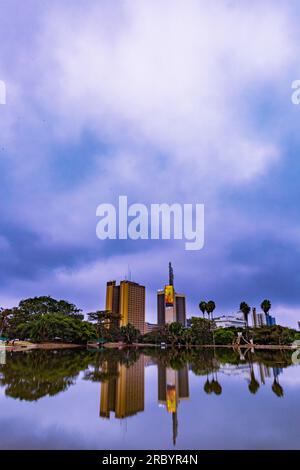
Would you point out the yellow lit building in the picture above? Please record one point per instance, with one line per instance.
(127, 300)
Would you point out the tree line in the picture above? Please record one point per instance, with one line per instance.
(44, 319)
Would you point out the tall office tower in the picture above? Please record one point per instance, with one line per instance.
(260, 319)
(112, 297)
(124, 394)
(127, 300)
(254, 317)
(171, 306)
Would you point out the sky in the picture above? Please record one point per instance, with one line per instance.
(164, 101)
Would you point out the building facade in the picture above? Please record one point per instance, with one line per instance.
(171, 306)
(127, 300)
(229, 321)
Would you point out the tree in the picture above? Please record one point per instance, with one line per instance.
(32, 309)
(201, 330)
(50, 327)
(202, 307)
(46, 304)
(174, 333)
(4, 320)
(210, 307)
(129, 333)
(106, 324)
(187, 337)
(245, 309)
(266, 306)
(224, 336)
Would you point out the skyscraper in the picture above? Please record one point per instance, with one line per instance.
(171, 306)
(127, 300)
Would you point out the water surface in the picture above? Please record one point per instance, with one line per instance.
(152, 399)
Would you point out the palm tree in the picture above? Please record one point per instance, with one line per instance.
(266, 306)
(210, 307)
(203, 307)
(245, 309)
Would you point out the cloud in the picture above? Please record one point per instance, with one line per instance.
(169, 74)
(164, 101)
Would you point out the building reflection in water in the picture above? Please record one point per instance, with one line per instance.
(173, 386)
(125, 393)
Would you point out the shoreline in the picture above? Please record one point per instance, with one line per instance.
(197, 346)
(27, 346)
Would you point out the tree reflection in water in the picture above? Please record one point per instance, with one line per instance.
(34, 374)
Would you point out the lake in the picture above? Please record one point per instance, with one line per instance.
(150, 399)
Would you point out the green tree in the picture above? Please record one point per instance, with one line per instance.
(266, 306)
(4, 320)
(174, 333)
(224, 336)
(210, 307)
(202, 307)
(245, 309)
(45, 304)
(50, 327)
(34, 308)
(201, 330)
(129, 334)
(106, 323)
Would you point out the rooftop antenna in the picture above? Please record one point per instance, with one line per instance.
(129, 273)
(171, 275)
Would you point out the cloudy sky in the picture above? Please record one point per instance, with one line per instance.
(183, 101)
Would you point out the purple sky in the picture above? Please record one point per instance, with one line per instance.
(163, 101)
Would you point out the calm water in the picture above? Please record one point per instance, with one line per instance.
(130, 400)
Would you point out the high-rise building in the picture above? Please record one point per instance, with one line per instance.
(127, 300)
(271, 321)
(260, 319)
(171, 306)
(265, 320)
(124, 393)
(254, 317)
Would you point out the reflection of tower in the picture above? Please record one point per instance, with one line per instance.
(171, 306)
(173, 386)
(108, 390)
(262, 374)
(125, 393)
